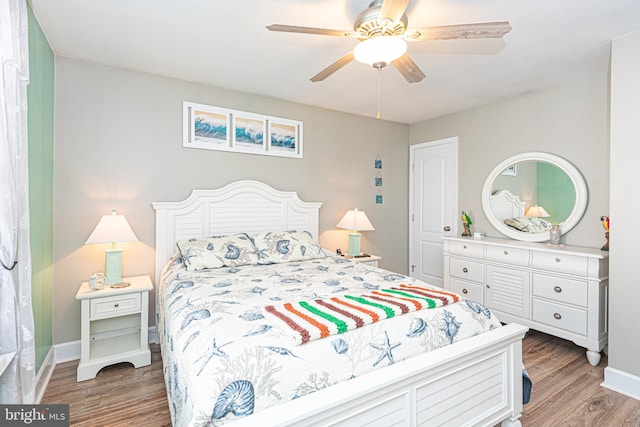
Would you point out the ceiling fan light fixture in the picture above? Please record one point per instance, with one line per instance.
(380, 49)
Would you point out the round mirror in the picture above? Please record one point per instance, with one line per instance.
(524, 196)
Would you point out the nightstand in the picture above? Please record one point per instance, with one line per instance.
(114, 326)
(371, 260)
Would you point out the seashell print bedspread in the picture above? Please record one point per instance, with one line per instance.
(223, 359)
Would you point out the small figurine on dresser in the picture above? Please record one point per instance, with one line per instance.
(466, 223)
(605, 223)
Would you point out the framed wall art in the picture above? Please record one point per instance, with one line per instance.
(215, 128)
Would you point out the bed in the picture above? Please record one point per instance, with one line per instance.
(230, 358)
(509, 209)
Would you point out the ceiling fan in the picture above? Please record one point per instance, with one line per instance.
(383, 33)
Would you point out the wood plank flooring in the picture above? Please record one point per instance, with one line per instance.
(566, 391)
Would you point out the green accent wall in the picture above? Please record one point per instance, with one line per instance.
(40, 134)
(556, 193)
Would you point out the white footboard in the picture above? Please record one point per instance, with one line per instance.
(476, 382)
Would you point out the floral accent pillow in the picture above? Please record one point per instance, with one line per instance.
(285, 246)
(528, 225)
(217, 251)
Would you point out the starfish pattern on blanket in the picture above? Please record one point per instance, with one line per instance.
(385, 348)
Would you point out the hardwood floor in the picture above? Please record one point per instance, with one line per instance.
(566, 391)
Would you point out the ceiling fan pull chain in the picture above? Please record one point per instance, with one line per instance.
(379, 72)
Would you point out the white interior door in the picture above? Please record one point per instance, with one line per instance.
(433, 206)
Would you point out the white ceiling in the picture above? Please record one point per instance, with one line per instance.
(224, 43)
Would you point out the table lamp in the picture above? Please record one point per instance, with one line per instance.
(355, 220)
(536, 212)
(112, 229)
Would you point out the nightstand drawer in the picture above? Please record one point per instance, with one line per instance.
(470, 249)
(472, 291)
(115, 305)
(465, 269)
(559, 316)
(560, 289)
(561, 263)
(507, 255)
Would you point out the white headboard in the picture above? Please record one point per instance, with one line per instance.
(505, 204)
(242, 206)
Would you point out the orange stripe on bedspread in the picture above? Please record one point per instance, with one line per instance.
(324, 331)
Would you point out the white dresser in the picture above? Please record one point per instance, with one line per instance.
(559, 290)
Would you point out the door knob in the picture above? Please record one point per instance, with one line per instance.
(447, 228)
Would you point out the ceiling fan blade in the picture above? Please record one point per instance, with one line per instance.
(311, 30)
(333, 68)
(409, 70)
(393, 9)
(479, 30)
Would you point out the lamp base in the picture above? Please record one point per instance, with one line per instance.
(113, 265)
(354, 244)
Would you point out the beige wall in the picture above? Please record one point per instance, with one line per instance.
(569, 120)
(118, 145)
(624, 292)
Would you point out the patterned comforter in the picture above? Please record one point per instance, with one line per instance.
(224, 359)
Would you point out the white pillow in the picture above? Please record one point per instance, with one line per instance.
(217, 251)
(285, 246)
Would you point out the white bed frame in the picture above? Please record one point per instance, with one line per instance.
(476, 382)
(505, 204)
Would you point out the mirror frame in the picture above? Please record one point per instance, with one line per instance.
(578, 183)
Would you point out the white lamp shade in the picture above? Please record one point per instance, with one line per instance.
(355, 220)
(384, 49)
(537, 212)
(112, 229)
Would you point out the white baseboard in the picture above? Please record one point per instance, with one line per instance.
(622, 382)
(44, 374)
(68, 351)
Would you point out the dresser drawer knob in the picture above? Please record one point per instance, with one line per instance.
(464, 246)
(557, 316)
(558, 260)
(558, 289)
(506, 252)
(465, 291)
(465, 270)
(116, 305)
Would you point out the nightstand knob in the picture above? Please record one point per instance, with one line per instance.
(558, 260)
(506, 252)
(465, 270)
(116, 305)
(558, 289)
(557, 316)
(464, 246)
(464, 291)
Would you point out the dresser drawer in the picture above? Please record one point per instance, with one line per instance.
(559, 289)
(470, 249)
(559, 316)
(507, 255)
(465, 269)
(561, 263)
(467, 290)
(115, 305)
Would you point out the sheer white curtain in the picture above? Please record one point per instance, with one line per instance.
(17, 383)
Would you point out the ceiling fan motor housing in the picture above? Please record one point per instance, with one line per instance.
(368, 23)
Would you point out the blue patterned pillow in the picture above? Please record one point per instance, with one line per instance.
(285, 246)
(217, 251)
(528, 225)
